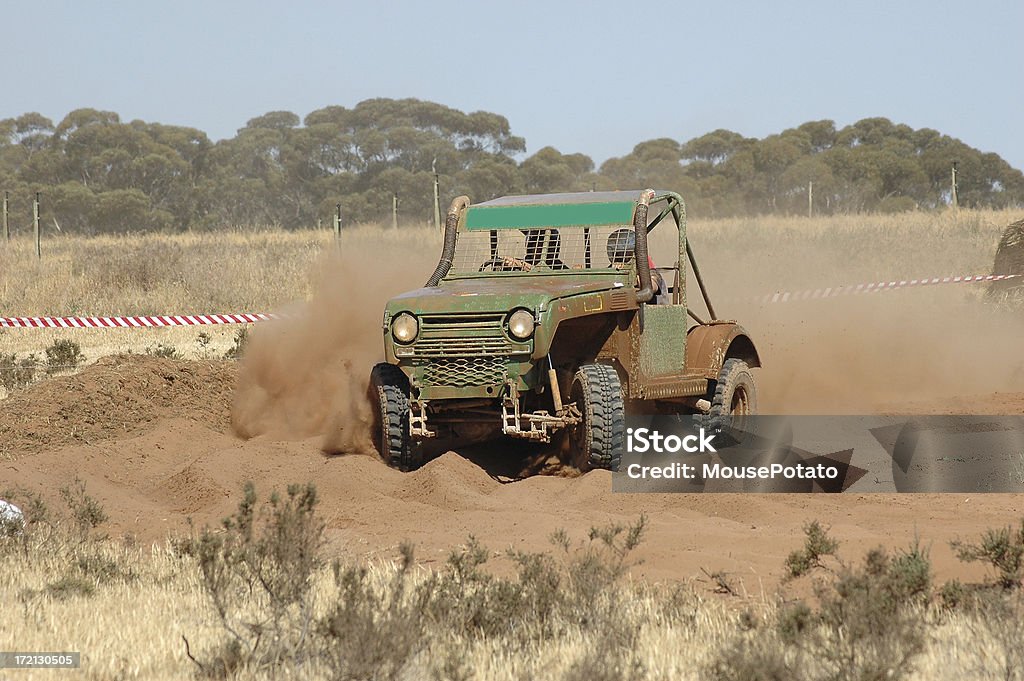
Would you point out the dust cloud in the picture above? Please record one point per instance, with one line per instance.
(867, 353)
(306, 375)
(883, 351)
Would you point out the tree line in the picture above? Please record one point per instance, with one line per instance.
(100, 174)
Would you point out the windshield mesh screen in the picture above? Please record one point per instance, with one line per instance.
(527, 250)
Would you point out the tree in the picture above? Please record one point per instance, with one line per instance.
(772, 157)
(551, 171)
(73, 203)
(793, 184)
(273, 120)
(83, 118)
(820, 134)
(127, 210)
(715, 147)
(102, 174)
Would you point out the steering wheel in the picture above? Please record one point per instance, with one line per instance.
(505, 264)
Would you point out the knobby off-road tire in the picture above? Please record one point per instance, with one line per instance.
(389, 394)
(598, 442)
(733, 399)
(1009, 260)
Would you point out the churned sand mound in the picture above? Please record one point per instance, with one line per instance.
(153, 481)
(116, 396)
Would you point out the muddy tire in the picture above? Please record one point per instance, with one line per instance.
(1009, 261)
(733, 398)
(389, 395)
(599, 441)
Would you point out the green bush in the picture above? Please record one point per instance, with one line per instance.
(868, 623)
(86, 511)
(817, 543)
(374, 632)
(203, 341)
(17, 373)
(239, 343)
(1002, 549)
(164, 351)
(70, 587)
(258, 571)
(63, 354)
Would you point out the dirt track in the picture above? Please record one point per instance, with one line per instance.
(152, 440)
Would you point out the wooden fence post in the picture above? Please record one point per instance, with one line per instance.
(954, 190)
(337, 221)
(35, 226)
(7, 223)
(437, 198)
(394, 210)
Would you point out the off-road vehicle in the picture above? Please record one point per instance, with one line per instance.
(546, 318)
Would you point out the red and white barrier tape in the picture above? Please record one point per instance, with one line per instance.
(131, 322)
(854, 289)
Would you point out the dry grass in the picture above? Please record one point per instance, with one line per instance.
(227, 271)
(129, 611)
(193, 273)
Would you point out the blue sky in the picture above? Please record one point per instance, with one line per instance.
(594, 77)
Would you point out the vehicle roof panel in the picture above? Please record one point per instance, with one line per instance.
(574, 197)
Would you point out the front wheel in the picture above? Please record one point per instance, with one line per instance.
(389, 396)
(599, 440)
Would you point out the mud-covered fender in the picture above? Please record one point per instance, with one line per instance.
(709, 345)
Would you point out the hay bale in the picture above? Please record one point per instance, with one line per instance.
(1009, 260)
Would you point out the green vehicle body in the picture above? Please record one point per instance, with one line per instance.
(469, 377)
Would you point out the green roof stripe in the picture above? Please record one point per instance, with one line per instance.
(558, 215)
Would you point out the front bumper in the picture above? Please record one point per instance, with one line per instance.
(537, 425)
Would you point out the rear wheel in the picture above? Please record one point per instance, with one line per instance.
(734, 398)
(389, 394)
(599, 440)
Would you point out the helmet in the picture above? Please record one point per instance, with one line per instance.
(621, 244)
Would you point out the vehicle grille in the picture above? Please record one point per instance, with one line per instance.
(463, 372)
(441, 322)
(454, 347)
(465, 336)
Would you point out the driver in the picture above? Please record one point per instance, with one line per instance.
(621, 247)
(544, 250)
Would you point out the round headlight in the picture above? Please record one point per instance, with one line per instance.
(520, 324)
(404, 328)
